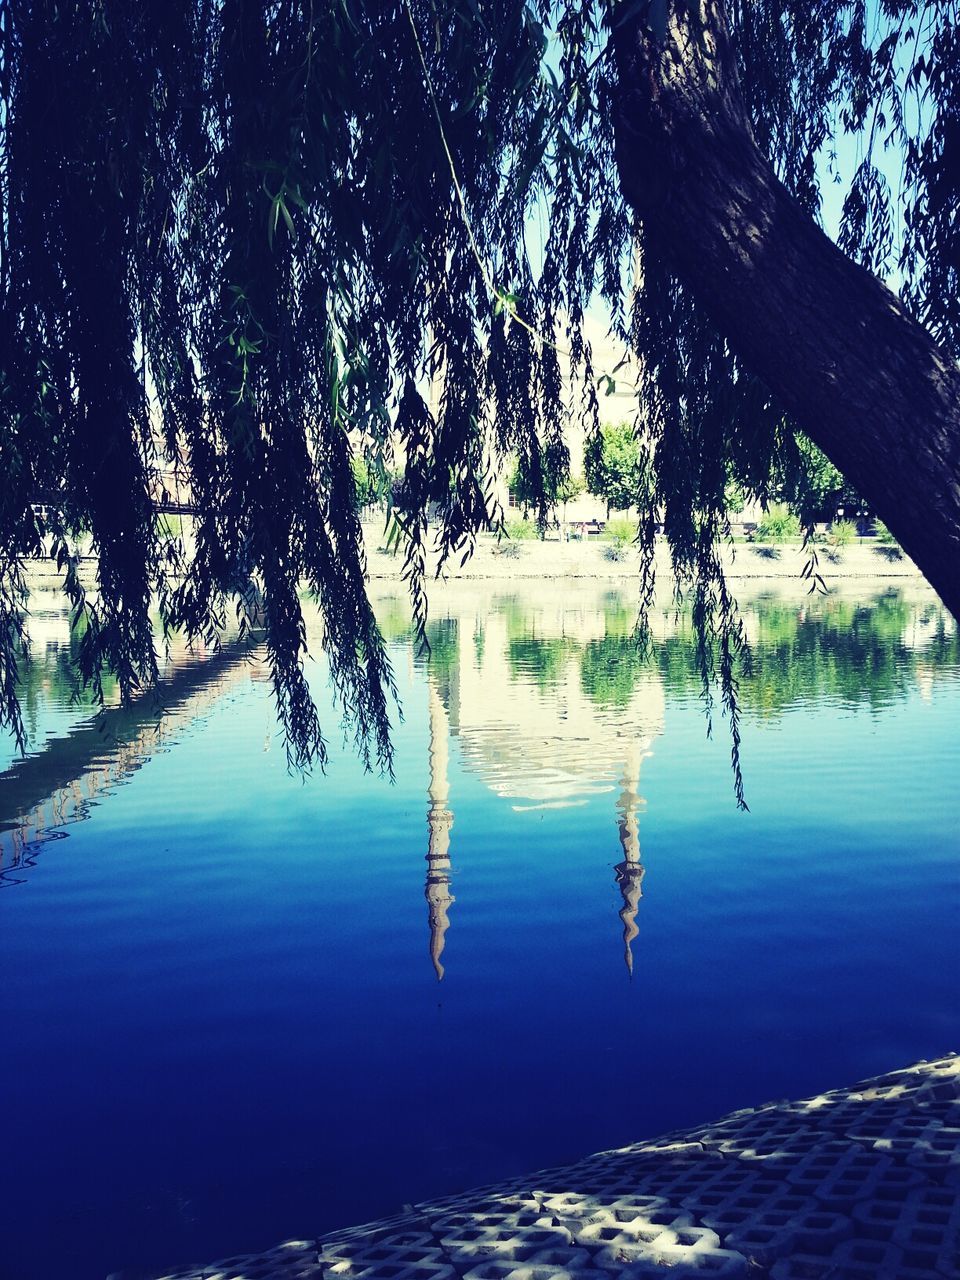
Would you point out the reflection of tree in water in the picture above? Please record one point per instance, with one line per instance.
(866, 654)
(862, 653)
(611, 666)
(443, 657)
(49, 677)
(543, 660)
(610, 670)
(479, 643)
(394, 618)
(518, 614)
(540, 658)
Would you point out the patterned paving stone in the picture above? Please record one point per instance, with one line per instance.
(937, 1152)
(293, 1260)
(535, 1269)
(577, 1208)
(916, 1085)
(402, 1224)
(394, 1257)
(839, 1174)
(855, 1184)
(780, 1231)
(852, 1260)
(941, 1079)
(393, 1264)
(741, 1124)
(735, 1182)
(607, 1179)
(859, 1260)
(737, 1212)
(704, 1178)
(677, 1244)
(675, 1147)
(851, 1115)
(946, 1110)
(515, 1194)
(923, 1143)
(924, 1222)
(510, 1236)
(716, 1263)
(620, 1237)
(769, 1136)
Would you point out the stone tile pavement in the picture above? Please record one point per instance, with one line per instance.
(856, 1184)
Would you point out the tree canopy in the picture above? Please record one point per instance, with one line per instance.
(241, 239)
(612, 465)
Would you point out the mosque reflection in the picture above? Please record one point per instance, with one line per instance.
(544, 698)
(629, 871)
(507, 685)
(552, 705)
(440, 820)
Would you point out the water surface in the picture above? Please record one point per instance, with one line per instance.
(221, 1012)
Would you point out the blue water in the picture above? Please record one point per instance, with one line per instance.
(222, 1024)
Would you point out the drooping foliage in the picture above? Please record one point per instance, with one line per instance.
(246, 243)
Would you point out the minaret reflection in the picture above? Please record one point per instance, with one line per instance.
(630, 871)
(440, 820)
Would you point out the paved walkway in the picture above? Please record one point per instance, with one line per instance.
(857, 1184)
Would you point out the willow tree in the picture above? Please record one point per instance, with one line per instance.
(241, 238)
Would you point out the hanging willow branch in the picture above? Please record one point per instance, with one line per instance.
(241, 239)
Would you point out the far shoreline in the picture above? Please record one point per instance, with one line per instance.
(750, 567)
(864, 561)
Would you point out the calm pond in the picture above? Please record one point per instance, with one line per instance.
(221, 1016)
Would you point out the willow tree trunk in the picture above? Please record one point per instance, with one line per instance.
(862, 378)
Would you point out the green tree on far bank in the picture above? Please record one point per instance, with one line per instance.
(556, 489)
(373, 483)
(568, 489)
(811, 486)
(612, 466)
